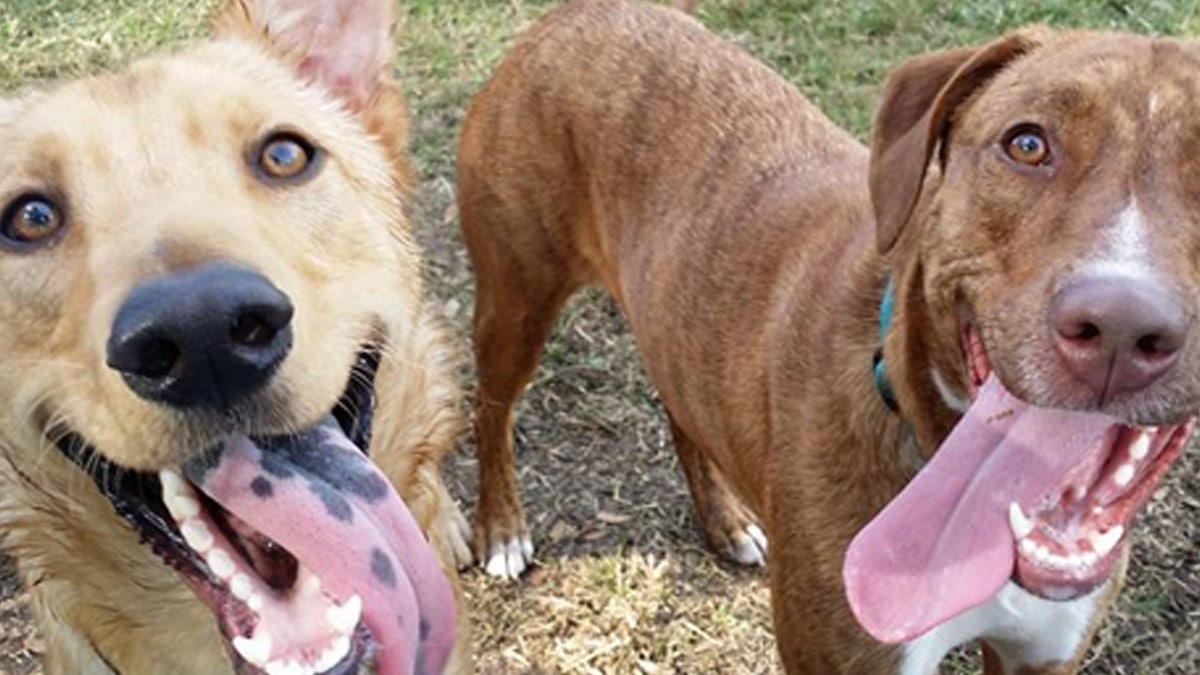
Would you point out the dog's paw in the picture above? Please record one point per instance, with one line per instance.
(748, 546)
(502, 542)
(731, 528)
(509, 559)
(455, 532)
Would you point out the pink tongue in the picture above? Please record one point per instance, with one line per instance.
(943, 545)
(320, 498)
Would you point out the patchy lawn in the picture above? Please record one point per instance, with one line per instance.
(624, 584)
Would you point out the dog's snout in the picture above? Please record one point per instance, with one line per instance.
(206, 337)
(1117, 334)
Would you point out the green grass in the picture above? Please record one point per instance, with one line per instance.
(643, 596)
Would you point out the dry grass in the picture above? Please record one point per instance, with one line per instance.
(624, 584)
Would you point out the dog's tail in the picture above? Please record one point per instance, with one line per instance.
(686, 6)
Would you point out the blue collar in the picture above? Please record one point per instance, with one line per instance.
(882, 384)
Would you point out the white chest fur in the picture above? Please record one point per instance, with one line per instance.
(1023, 629)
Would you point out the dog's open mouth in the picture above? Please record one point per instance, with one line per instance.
(1039, 496)
(299, 546)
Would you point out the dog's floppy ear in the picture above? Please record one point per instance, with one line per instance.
(914, 115)
(344, 45)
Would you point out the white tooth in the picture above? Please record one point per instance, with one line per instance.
(281, 667)
(1090, 558)
(345, 617)
(1140, 447)
(172, 482)
(326, 661)
(1106, 542)
(1042, 554)
(1124, 475)
(256, 650)
(1027, 547)
(240, 586)
(255, 602)
(334, 654)
(1020, 524)
(220, 563)
(196, 534)
(1075, 560)
(182, 507)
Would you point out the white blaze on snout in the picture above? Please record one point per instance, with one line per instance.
(1125, 251)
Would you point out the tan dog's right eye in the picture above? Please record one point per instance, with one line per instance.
(285, 156)
(31, 220)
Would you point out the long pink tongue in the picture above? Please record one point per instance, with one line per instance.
(943, 545)
(321, 499)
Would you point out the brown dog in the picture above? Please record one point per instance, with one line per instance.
(1032, 209)
(210, 303)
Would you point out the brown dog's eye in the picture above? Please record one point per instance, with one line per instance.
(30, 221)
(1027, 146)
(285, 156)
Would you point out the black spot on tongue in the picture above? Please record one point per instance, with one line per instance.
(311, 451)
(381, 567)
(262, 487)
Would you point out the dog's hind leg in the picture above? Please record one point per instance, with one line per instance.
(731, 529)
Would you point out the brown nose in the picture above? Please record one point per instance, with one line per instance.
(1117, 334)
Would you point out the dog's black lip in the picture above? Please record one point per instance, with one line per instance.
(355, 410)
(136, 497)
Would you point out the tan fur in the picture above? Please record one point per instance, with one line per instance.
(151, 165)
(621, 145)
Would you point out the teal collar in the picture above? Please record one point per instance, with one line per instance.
(882, 384)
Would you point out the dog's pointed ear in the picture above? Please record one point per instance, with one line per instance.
(344, 45)
(914, 115)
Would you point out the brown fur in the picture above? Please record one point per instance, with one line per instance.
(150, 163)
(621, 145)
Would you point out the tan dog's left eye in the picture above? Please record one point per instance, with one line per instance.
(285, 156)
(31, 221)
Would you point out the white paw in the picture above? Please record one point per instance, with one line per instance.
(508, 560)
(750, 546)
(455, 532)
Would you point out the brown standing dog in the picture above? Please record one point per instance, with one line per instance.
(211, 302)
(1032, 203)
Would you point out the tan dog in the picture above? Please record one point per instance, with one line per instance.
(211, 302)
(1032, 209)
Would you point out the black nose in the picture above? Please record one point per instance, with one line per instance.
(204, 338)
(1116, 334)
